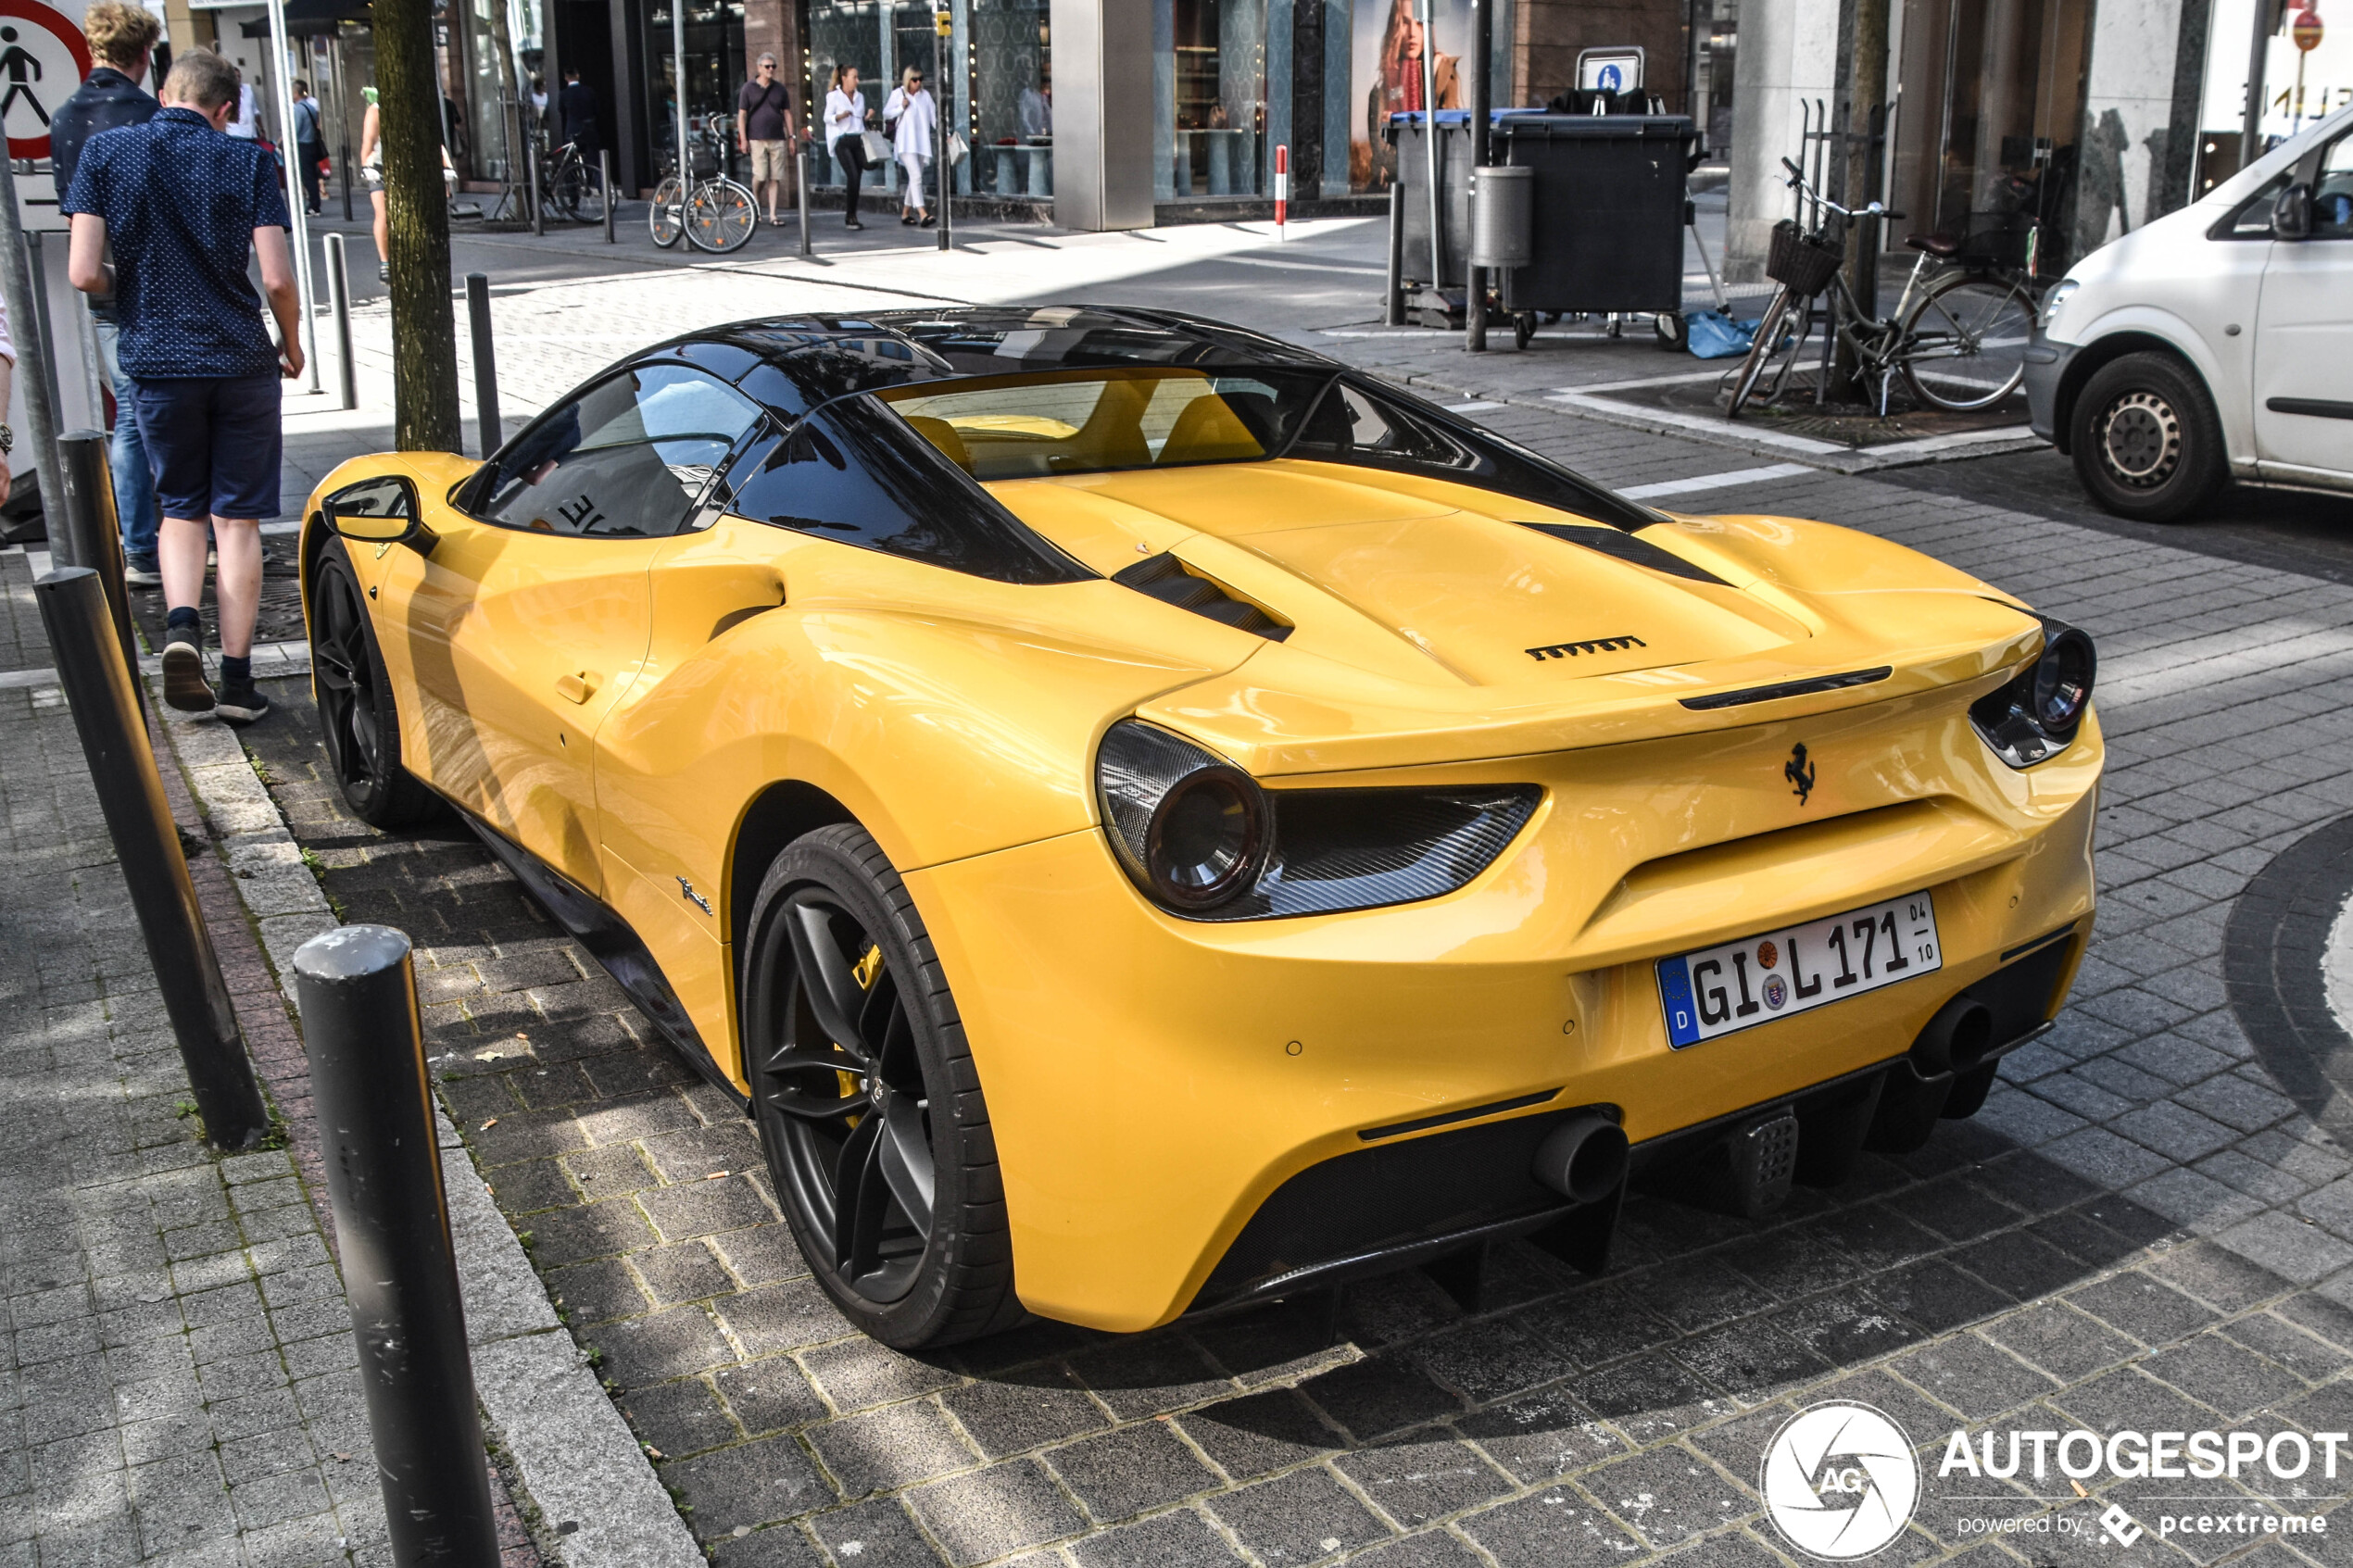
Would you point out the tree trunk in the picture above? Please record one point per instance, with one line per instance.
(1852, 168)
(424, 342)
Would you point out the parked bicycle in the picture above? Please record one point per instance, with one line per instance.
(576, 186)
(1957, 335)
(714, 213)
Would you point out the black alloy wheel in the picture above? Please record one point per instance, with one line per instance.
(2146, 442)
(867, 1101)
(357, 719)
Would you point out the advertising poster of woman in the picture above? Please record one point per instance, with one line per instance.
(1388, 69)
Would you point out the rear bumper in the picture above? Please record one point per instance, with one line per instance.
(1373, 1210)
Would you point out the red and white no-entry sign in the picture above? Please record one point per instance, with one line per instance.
(2307, 31)
(43, 59)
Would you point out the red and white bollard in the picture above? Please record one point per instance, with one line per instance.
(1282, 191)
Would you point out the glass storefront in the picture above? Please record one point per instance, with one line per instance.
(995, 60)
(1989, 136)
(715, 70)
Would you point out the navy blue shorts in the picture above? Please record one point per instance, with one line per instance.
(213, 442)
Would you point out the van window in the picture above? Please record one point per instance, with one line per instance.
(2333, 192)
(2252, 219)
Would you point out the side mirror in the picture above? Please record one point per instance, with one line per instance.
(2292, 213)
(380, 512)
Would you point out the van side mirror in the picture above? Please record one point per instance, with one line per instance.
(380, 512)
(2292, 213)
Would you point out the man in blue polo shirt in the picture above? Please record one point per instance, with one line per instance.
(184, 204)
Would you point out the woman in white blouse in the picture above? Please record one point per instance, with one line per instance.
(915, 119)
(845, 116)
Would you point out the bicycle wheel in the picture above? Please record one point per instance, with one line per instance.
(1761, 349)
(721, 216)
(588, 194)
(1965, 342)
(666, 218)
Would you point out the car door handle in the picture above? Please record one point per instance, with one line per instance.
(576, 688)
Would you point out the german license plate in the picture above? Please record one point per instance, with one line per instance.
(1723, 990)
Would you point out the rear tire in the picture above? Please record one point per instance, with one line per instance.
(878, 1138)
(358, 717)
(666, 219)
(1761, 350)
(2146, 442)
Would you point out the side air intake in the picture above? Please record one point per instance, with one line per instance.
(1164, 578)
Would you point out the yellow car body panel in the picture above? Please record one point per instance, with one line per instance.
(1151, 1079)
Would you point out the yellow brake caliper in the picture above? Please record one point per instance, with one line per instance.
(867, 970)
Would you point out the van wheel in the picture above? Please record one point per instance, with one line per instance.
(2147, 445)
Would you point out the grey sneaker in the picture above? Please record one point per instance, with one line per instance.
(241, 702)
(140, 572)
(185, 686)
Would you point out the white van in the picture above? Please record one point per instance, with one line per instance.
(2215, 343)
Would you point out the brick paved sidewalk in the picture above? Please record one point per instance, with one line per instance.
(2138, 1231)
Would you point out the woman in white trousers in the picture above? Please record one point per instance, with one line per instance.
(913, 118)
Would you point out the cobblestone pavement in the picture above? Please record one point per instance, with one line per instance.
(180, 1381)
(2138, 1230)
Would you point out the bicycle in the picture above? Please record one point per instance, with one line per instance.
(1956, 334)
(715, 213)
(575, 186)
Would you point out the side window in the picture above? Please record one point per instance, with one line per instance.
(2252, 221)
(2333, 192)
(855, 473)
(628, 459)
(1350, 422)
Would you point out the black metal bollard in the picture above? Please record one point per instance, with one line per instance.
(1392, 310)
(98, 688)
(486, 366)
(604, 183)
(357, 994)
(339, 303)
(93, 534)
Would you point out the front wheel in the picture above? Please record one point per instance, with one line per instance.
(358, 717)
(2146, 439)
(869, 1106)
(1761, 349)
(721, 217)
(586, 200)
(666, 218)
(1965, 342)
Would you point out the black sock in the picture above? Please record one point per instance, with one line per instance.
(182, 617)
(235, 670)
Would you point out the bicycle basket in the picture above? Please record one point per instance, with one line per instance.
(1799, 261)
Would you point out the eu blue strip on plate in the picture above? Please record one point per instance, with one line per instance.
(1675, 994)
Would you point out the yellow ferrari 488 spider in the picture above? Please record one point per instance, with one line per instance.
(1148, 819)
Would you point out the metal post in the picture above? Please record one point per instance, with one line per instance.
(1475, 282)
(801, 194)
(486, 366)
(97, 687)
(678, 92)
(1392, 310)
(604, 183)
(92, 535)
(339, 300)
(2251, 135)
(940, 133)
(531, 172)
(1430, 138)
(32, 349)
(357, 995)
(289, 151)
(93, 377)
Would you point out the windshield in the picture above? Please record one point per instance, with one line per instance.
(1091, 421)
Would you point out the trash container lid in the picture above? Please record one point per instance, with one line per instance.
(1460, 117)
(1603, 127)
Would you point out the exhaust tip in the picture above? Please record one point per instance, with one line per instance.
(1956, 1039)
(1584, 1158)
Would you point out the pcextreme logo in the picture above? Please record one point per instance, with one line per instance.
(1840, 1481)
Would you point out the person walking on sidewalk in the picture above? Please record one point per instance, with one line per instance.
(184, 205)
(310, 148)
(913, 120)
(122, 40)
(763, 127)
(845, 117)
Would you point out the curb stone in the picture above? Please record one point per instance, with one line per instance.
(599, 1501)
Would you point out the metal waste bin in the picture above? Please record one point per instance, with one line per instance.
(1608, 207)
(1503, 218)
